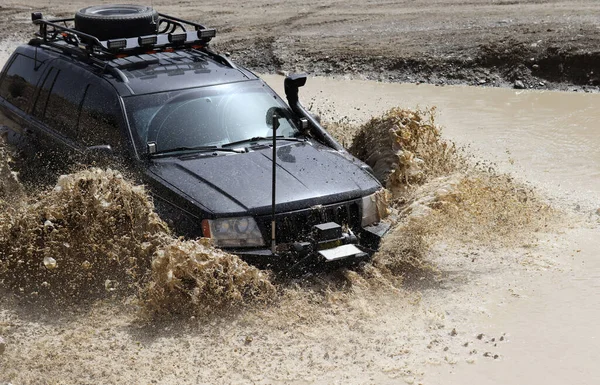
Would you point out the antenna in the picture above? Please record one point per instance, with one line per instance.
(275, 127)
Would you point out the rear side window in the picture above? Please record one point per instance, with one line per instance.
(42, 100)
(80, 106)
(18, 84)
(100, 118)
(62, 110)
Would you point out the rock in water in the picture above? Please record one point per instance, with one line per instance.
(519, 85)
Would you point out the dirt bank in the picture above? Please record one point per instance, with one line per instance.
(543, 44)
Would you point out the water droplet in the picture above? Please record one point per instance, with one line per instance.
(50, 263)
(110, 285)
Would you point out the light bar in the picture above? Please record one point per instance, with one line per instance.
(147, 40)
(116, 44)
(177, 38)
(207, 33)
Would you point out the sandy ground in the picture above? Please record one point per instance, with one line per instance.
(494, 314)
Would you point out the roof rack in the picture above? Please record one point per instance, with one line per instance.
(172, 34)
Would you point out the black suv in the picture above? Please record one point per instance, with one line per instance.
(224, 156)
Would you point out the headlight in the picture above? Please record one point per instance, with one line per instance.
(233, 232)
(370, 213)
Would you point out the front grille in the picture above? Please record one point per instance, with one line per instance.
(297, 225)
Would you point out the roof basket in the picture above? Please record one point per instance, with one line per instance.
(173, 33)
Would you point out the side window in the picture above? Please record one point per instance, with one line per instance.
(100, 119)
(18, 84)
(42, 100)
(62, 110)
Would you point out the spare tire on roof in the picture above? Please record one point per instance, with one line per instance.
(117, 20)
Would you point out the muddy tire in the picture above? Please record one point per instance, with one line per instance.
(117, 21)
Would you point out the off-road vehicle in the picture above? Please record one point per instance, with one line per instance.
(222, 154)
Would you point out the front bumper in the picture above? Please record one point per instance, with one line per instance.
(319, 254)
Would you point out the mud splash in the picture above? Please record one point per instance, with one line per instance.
(193, 278)
(438, 196)
(486, 207)
(405, 147)
(190, 294)
(95, 234)
(11, 190)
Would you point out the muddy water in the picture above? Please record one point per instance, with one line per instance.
(549, 138)
(552, 331)
(552, 140)
(542, 299)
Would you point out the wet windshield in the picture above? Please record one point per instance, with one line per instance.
(209, 116)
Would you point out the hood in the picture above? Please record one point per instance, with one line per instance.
(308, 174)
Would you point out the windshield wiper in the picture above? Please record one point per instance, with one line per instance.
(196, 149)
(257, 138)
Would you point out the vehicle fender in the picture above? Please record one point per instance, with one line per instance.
(178, 219)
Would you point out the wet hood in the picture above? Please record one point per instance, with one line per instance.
(308, 174)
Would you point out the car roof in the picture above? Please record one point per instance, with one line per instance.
(173, 70)
(156, 72)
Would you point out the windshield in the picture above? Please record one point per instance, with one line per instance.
(209, 116)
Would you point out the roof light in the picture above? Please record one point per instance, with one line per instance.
(147, 40)
(207, 33)
(116, 44)
(177, 38)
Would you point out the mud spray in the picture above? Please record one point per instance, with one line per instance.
(95, 235)
(438, 193)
